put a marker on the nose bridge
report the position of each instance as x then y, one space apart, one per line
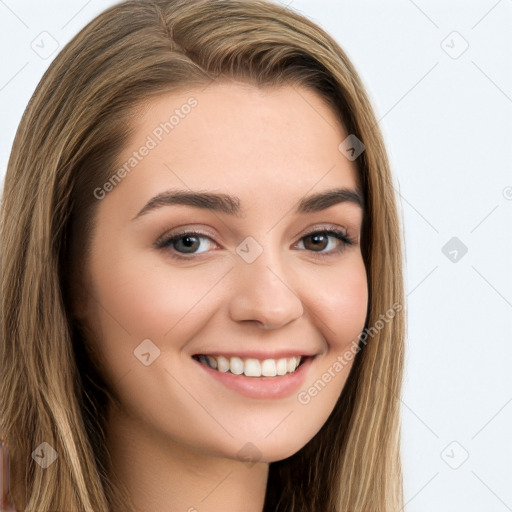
263 291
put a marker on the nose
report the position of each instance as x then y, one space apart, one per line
262 295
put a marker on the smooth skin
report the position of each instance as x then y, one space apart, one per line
176 439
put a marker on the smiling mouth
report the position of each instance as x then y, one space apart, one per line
251 367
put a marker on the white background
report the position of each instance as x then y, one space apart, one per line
447 122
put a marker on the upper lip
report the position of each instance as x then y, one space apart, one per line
257 354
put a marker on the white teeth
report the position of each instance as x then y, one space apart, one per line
252 367
222 364
281 366
268 368
236 366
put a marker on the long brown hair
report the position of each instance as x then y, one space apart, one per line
67 145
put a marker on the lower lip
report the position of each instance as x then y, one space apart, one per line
262 387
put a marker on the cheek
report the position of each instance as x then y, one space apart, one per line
135 301
150 301
340 300
340 309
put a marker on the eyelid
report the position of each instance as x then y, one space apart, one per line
162 241
180 232
326 227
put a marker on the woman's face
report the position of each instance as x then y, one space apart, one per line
259 285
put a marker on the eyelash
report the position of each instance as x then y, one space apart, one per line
167 242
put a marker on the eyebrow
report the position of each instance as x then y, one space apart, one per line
230 205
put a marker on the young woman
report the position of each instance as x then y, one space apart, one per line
202 299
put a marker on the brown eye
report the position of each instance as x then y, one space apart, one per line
318 241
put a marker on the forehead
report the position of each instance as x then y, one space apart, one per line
262 143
